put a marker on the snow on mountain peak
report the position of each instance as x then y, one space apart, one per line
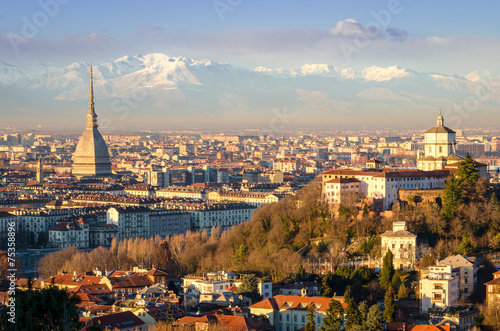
262 69
478 75
312 69
379 74
349 73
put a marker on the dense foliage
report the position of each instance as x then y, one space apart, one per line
47 309
269 243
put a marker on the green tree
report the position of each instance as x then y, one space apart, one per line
494 202
334 320
465 247
240 255
452 198
402 292
387 269
363 274
170 315
311 324
300 273
374 319
42 239
467 176
363 312
326 284
249 287
47 309
321 247
389 306
427 261
353 317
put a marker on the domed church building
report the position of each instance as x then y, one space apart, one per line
91 157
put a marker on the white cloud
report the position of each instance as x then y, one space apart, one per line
352 28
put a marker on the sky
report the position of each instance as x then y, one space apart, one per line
453 38
450 37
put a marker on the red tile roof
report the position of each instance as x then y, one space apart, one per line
130 281
124 320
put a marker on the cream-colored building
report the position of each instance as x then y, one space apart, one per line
439 287
132 222
403 245
288 313
339 190
69 234
439 147
493 289
384 184
286 165
191 192
468 271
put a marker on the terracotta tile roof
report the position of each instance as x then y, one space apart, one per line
239 323
90 279
88 297
123 320
495 282
130 281
157 273
61 279
295 302
91 289
399 326
233 289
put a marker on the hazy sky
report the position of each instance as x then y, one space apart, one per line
451 37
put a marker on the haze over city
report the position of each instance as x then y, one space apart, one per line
242 64
249 165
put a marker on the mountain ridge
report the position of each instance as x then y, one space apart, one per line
184 89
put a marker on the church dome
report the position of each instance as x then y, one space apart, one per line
91 157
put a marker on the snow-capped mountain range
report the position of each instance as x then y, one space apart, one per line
180 88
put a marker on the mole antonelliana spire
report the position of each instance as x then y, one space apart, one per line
91 157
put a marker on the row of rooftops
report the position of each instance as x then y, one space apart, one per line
388 173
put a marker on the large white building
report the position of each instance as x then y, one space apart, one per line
132 222
225 215
215 283
439 287
468 271
439 147
381 186
69 234
287 313
403 245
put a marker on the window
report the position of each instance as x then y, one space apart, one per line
436 296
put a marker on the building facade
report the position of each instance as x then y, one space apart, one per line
403 245
439 287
